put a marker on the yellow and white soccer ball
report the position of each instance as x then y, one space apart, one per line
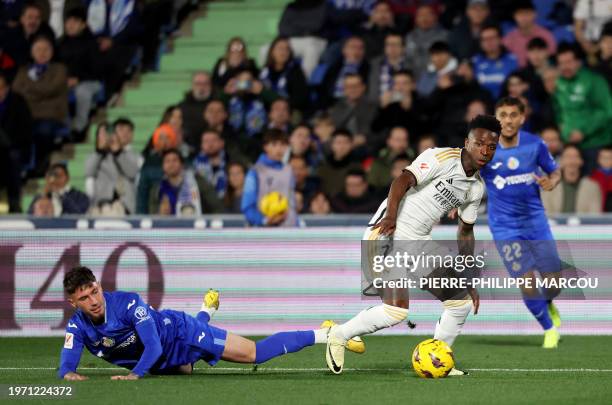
273 203
432 358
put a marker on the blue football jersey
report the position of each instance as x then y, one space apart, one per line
172 338
513 194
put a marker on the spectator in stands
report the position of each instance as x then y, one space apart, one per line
464 39
425 33
15 138
425 142
552 139
575 194
323 129
447 105
376 30
494 63
236 174
42 207
537 63
303 22
78 51
604 58
18 40
117 28
111 174
193 105
164 138
65 199
124 128
215 118
401 106
8 67
386 66
398 143
603 176
516 40
352 62
44 85
302 144
584 106
355 111
338 163
356 197
279 116
247 107
319 204
305 184
234 61
399 164
590 16
212 161
474 109
441 62
270 174
181 192
283 75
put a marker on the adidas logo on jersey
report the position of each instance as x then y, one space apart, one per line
449 181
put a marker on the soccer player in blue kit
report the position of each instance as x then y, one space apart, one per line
521 167
121 329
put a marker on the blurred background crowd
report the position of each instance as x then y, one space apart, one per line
327 114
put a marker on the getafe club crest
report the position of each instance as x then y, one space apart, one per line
108 342
513 163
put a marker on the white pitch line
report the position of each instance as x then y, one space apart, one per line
283 369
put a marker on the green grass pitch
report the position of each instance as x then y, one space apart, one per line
504 370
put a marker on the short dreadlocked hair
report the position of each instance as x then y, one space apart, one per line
76 278
486 122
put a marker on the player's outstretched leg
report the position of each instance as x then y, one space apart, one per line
366 322
451 322
210 305
355 344
538 306
239 349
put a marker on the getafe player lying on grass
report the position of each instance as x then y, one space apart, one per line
120 328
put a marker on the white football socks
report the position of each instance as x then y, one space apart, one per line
320 335
452 319
372 319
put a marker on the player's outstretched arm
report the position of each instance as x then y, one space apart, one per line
398 189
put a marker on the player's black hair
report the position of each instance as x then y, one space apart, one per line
76 278
406 72
487 122
173 151
357 172
342 132
511 101
124 121
536 43
523 5
274 135
401 156
78 13
565 47
58 165
439 47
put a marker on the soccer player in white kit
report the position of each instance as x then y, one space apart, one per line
443 179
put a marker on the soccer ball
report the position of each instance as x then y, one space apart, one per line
273 203
432 358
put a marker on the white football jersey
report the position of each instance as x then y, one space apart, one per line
441 185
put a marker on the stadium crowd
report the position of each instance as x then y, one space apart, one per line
346 96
